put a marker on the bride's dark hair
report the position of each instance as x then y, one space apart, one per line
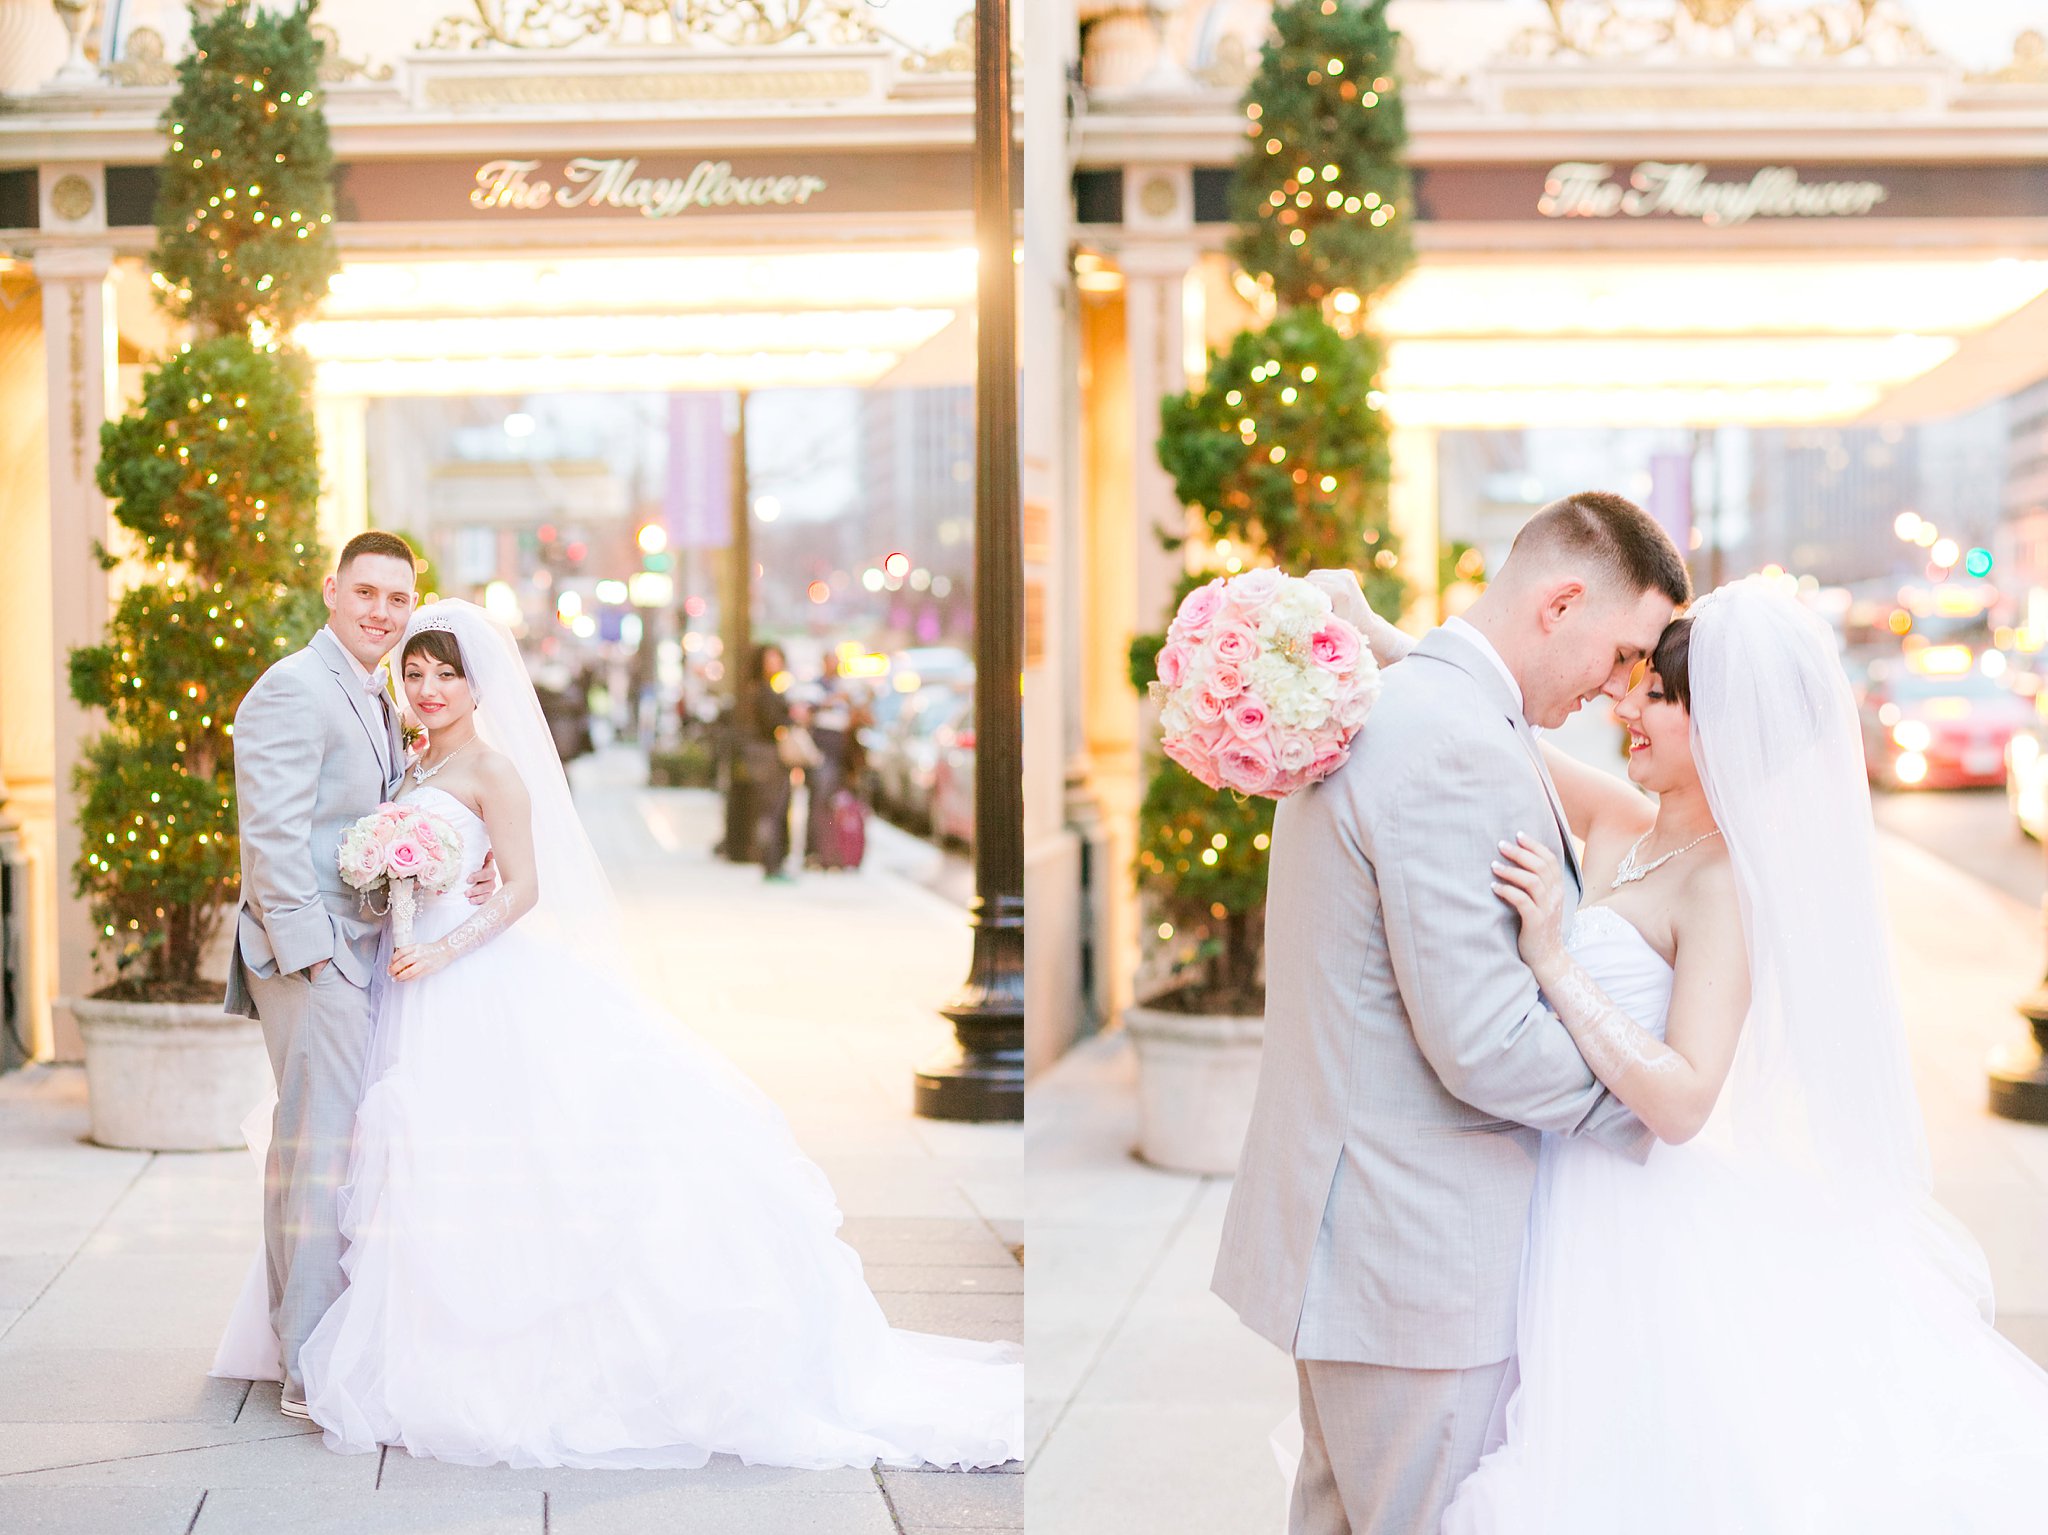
435 644
1672 661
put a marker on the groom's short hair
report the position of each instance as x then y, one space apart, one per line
1613 531
374 542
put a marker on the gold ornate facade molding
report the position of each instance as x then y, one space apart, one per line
1231 65
723 86
559 24
1748 31
1568 98
336 69
143 60
75 355
956 58
72 198
2029 64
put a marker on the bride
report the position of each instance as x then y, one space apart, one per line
1769 1327
576 1236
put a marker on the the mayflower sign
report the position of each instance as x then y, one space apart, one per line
617 184
1681 189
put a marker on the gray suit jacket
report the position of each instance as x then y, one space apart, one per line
1409 1065
312 756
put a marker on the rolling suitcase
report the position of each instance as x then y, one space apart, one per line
844 836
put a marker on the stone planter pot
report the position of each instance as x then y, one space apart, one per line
1197 1074
170 1076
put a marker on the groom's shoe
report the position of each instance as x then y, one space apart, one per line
294 1407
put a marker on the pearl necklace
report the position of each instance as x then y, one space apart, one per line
421 772
1631 871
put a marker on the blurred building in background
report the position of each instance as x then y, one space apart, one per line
1778 269
2023 541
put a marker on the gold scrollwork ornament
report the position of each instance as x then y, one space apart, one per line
560 24
72 198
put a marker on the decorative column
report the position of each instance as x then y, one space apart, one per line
1105 617
1416 517
343 423
28 826
78 329
1155 296
1061 829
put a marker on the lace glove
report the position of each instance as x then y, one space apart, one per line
1614 1045
415 960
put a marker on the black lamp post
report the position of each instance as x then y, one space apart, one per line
738 626
983 1079
2019 1076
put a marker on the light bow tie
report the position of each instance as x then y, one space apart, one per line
377 684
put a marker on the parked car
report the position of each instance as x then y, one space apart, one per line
2026 779
1935 720
952 805
904 760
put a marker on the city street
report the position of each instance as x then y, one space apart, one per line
117 1269
1972 829
1151 1406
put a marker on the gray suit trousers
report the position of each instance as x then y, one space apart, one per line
318 1035
1383 1449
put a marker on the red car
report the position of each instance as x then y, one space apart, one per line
1927 729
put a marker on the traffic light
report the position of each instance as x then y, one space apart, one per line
1978 562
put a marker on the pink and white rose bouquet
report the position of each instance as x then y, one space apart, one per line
1261 685
405 852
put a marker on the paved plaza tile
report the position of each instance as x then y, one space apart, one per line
117 1269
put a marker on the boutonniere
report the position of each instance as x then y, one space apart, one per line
414 738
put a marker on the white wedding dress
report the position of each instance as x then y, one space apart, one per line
579 1237
1710 1345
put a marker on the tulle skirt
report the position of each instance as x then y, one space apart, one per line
578 1237
1706 1348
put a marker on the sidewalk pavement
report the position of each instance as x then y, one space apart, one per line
117 1269
1151 1406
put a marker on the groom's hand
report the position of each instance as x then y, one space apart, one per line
1346 596
485 884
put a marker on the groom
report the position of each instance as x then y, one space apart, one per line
317 746
1375 1230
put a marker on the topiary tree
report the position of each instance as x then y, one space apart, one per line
1282 453
1322 195
1284 449
214 476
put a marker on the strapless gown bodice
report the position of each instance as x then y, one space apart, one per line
1614 952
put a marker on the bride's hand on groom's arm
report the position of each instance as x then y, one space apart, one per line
1527 876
